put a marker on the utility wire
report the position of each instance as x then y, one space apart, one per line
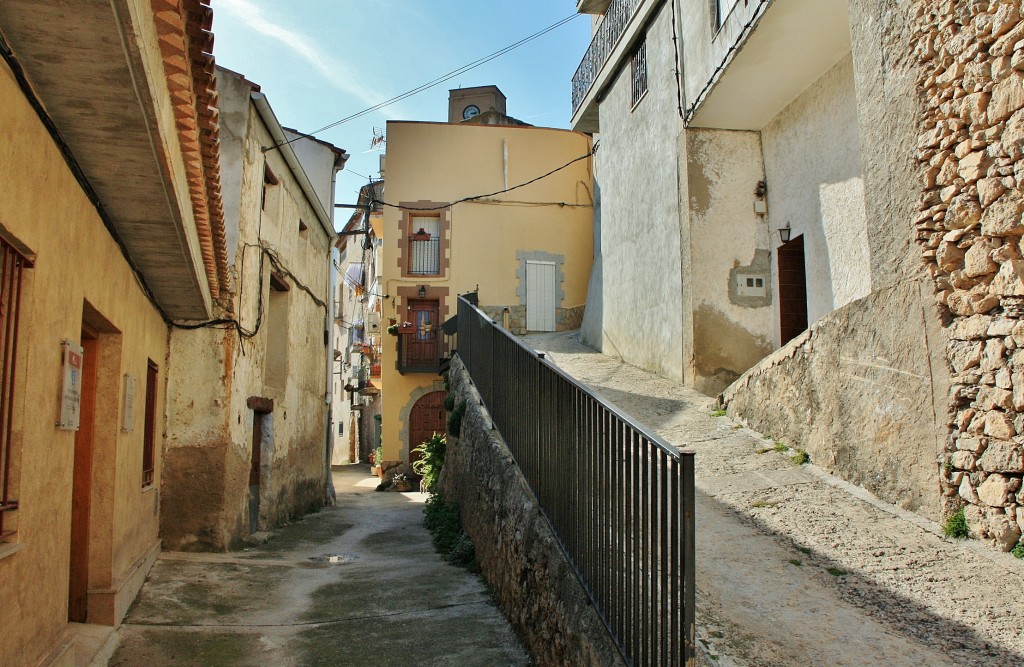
589 153
441 79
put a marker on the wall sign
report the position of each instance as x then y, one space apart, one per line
128 413
71 387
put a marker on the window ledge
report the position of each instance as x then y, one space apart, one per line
10 548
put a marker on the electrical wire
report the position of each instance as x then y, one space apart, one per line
474 198
441 79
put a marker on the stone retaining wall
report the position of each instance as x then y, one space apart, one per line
518 555
971 154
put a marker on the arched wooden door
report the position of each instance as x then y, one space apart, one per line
426 418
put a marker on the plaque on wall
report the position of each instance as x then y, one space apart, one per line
71 387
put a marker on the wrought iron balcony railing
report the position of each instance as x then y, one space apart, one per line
615 20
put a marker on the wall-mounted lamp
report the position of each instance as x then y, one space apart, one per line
784 233
423 292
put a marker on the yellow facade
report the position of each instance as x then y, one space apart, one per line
484 242
80 277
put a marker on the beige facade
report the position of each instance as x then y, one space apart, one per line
436 247
248 409
108 199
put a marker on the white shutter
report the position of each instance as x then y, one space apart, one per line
540 296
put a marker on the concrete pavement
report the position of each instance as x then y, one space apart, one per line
356 584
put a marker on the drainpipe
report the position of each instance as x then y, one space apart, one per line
329 492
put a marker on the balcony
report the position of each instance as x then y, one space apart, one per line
424 255
421 351
616 17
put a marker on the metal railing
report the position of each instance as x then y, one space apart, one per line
421 352
424 256
615 20
619 498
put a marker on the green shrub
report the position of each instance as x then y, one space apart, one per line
454 423
1018 551
800 458
956 526
431 461
449 402
718 413
442 519
377 456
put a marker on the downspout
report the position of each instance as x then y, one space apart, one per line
329 491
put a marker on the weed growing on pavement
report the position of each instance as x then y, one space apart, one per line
836 571
442 519
1018 551
718 413
796 561
805 550
800 458
766 503
777 447
956 526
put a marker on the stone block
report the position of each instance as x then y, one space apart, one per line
973 166
973 444
1004 531
970 328
997 490
992 398
964 355
962 460
1003 216
989 189
1007 97
1002 455
998 425
978 260
966 490
1009 281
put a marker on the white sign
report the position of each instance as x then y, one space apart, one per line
71 388
128 413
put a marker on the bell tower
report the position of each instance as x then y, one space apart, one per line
466 103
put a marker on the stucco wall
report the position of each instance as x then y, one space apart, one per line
816 186
729 333
210 432
76 262
636 170
856 391
486 238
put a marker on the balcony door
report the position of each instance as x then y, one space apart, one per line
422 347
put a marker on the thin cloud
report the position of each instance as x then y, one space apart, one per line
339 74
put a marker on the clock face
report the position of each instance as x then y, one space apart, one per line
470 111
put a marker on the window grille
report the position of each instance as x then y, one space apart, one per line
149 435
12 263
425 246
639 71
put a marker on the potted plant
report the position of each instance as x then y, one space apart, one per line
393 329
406 327
402 482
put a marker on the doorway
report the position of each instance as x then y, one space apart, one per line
792 290
82 482
255 470
426 418
540 296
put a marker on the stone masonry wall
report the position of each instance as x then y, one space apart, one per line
518 555
566 319
971 152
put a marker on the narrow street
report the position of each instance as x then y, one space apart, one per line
357 584
797 567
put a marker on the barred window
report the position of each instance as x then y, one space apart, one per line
12 263
425 246
638 71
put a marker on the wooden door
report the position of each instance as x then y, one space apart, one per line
423 344
255 465
540 296
792 289
426 418
81 486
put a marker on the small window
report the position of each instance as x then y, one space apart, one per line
13 263
638 72
149 434
268 179
425 246
722 9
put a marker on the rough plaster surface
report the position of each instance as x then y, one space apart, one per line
531 579
640 309
387 599
815 185
855 391
725 234
768 532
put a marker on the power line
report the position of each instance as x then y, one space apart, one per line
441 79
589 153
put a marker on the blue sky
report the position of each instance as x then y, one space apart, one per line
321 60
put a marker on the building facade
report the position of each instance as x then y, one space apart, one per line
248 417
780 172
526 252
111 228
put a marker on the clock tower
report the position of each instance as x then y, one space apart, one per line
467 103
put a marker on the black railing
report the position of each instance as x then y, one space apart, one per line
424 256
615 20
619 498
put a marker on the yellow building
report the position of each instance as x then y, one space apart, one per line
527 251
110 227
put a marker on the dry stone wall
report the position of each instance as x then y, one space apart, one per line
971 152
531 579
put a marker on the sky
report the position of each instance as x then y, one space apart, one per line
321 60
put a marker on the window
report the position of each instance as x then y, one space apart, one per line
722 9
638 72
268 179
149 434
425 246
275 368
12 262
